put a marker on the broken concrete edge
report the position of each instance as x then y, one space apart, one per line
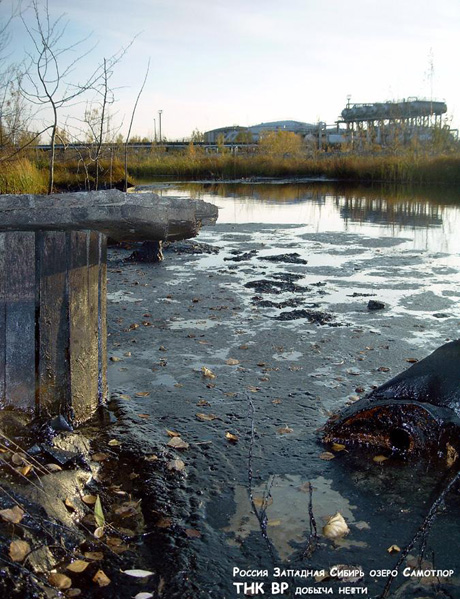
118 215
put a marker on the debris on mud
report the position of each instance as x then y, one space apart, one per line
241 256
267 286
293 258
316 317
375 305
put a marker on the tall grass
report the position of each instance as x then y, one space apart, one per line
22 176
407 169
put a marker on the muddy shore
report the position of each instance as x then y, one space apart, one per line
268 328
225 361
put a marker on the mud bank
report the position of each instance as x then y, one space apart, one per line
227 363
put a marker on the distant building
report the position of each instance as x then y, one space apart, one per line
252 134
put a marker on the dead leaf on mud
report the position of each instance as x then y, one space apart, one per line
73 592
99 532
124 396
231 437
338 447
13 515
100 457
232 362
172 433
101 578
451 455
336 527
253 389
88 499
178 443
274 523
151 458
203 402
243 347
115 359
19 550
383 369
276 402
208 374
138 573
262 502
192 533
142 394
59 581
53 467
394 549
205 417
94 556
68 503
78 566
411 360
285 430
326 455
163 522
144 416
378 459
144 595
25 470
114 443
177 465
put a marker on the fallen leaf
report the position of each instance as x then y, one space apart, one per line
53 467
13 515
253 389
138 573
99 532
145 416
338 447
274 522
19 550
203 402
17 459
164 522
206 417
178 443
276 402
262 502
451 455
68 503
172 433
73 592
336 527
207 373
88 499
231 437
177 465
25 470
99 513
326 455
285 430
411 360
151 458
192 533
243 347
101 579
143 595
379 459
232 362
78 566
383 369
100 457
394 549
124 396
59 581
142 394
115 359
113 443
94 556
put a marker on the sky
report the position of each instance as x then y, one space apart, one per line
215 63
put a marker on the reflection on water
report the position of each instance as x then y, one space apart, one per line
429 217
287 512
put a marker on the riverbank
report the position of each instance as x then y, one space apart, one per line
29 174
224 362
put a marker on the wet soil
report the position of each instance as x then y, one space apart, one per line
194 353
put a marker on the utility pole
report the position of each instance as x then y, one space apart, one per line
159 118
155 129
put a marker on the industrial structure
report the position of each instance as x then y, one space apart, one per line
379 123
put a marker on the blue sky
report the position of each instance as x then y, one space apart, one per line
223 62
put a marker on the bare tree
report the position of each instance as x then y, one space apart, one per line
48 80
131 124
